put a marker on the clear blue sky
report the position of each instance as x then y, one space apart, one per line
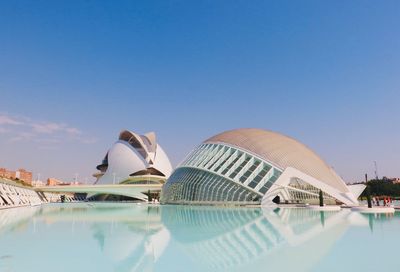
75 73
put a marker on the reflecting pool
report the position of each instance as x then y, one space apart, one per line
132 237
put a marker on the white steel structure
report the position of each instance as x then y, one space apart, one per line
134 190
134 156
16 195
253 166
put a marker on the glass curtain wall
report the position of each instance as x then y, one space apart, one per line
220 173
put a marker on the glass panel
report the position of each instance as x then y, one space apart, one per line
230 165
249 171
234 173
265 188
253 184
222 163
189 184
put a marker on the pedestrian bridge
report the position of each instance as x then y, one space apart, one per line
130 190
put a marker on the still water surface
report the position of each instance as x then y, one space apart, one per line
131 237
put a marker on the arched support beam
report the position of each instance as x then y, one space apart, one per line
130 190
283 181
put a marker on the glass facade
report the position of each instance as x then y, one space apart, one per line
218 173
250 165
302 192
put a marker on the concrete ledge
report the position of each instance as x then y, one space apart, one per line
13 206
324 208
365 209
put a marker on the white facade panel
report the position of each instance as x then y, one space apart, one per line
123 160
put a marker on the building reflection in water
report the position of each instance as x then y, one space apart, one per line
135 237
132 237
14 218
228 239
243 238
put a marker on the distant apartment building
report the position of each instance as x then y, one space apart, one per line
4 173
24 175
55 182
20 174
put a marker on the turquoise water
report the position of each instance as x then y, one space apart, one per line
131 237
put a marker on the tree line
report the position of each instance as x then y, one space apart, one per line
382 188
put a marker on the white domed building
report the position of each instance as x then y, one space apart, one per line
134 159
245 166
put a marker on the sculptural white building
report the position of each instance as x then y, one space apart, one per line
254 166
134 159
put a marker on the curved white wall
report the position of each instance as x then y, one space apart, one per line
123 160
161 162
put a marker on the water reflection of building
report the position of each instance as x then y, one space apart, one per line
141 237
15 218
132 237
222 238
227 239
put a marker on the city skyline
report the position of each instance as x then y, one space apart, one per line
75 74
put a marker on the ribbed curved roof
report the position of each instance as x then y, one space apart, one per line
282 151
147 141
